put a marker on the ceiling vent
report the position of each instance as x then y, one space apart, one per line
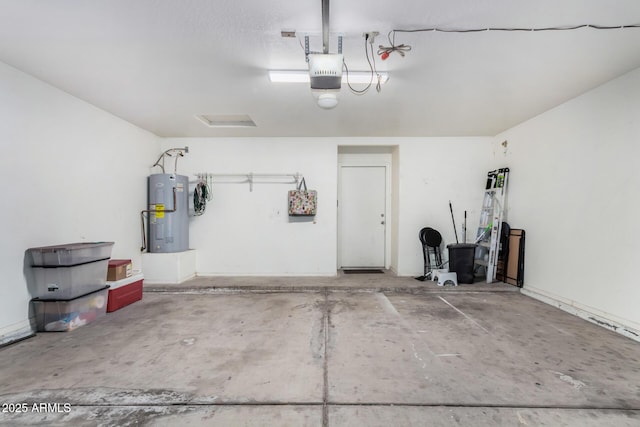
227 121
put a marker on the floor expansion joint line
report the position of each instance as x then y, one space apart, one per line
325 387
485 405
328 404
203 404
214 290
465 315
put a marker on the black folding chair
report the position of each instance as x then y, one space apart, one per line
431 240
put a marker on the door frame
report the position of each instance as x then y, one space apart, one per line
367 160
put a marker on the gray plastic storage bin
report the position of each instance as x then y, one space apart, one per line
67 315
70 254
69 282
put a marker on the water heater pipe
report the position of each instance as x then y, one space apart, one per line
180 152
175 209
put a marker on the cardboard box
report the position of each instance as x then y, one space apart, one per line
124 292
118 269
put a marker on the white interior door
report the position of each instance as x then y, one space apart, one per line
361 216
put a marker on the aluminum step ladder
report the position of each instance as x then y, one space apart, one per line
489 228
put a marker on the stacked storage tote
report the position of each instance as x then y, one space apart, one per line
70 284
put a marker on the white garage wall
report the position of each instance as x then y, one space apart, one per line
575 188
71 173
433 172
249 233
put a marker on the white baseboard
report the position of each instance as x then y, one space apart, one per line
622 326
15 332
267 274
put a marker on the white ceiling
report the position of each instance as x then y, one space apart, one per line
158 63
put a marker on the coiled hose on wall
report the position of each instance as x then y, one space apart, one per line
201 195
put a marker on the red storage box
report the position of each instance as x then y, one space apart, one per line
124 292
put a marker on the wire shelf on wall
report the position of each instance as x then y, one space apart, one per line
249 178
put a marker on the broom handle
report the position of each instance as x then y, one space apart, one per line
464 228
454 221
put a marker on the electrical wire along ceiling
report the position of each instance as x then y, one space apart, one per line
419 68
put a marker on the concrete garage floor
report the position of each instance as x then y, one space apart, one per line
354 350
